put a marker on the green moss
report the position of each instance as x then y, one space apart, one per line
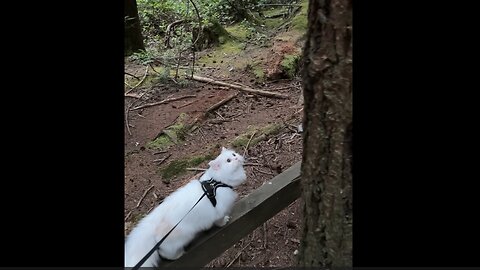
289 64
260 134
172 134
161 142
300 21
273 23
272 129
257 70
231 47
225 50
178 167
259 73
238 31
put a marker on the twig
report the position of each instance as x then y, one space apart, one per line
218 104
199 24
143 196
132 75
126 119
239 87
202 135
252 164
220 115
154 69
260 171
162 102
133 95
128 85
238 254
128 111
161 160
186 104
150 209
160 152
298 111
144 76
169 29
128 215
195 169
248 143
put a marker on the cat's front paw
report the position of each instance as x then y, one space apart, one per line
226 219
221 222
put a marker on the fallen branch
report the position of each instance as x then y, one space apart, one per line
144 76
218 104
242 88
143 196
162 102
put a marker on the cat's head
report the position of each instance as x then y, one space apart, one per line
228 168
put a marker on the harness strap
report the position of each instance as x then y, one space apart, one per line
142 261
210 188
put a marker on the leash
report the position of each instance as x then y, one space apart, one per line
142 261
209 189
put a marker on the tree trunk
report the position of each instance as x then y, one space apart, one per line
327 143
133 29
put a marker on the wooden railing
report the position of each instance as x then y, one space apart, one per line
247 214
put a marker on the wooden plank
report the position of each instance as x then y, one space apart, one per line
247 214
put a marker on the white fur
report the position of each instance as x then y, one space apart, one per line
156 224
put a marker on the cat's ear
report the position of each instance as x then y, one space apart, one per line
214 164
224 149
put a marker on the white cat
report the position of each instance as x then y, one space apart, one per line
226 168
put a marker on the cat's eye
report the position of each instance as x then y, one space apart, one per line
234 155
228 160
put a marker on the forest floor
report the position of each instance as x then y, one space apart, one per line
162 141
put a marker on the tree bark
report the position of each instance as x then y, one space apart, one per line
133 29
327 143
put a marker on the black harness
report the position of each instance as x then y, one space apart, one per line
210 188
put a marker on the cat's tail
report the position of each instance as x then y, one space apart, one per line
140 241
